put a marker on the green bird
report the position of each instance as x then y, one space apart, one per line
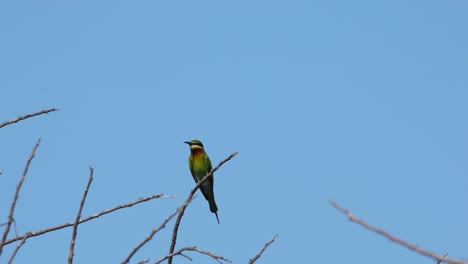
200 166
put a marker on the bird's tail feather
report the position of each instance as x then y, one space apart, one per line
217 217
214 208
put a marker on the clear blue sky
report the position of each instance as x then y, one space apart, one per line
362 102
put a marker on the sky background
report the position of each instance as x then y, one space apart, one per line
362 102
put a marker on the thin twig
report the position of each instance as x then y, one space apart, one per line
144 261
187 201
392 238
185 256
108 211
78 216
440 261
23 241
19 118
148 238
179 252
14 225
262 250
16 228
13 203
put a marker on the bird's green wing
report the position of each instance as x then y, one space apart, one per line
208 163
190 162
208 169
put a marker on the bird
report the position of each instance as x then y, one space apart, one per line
200 166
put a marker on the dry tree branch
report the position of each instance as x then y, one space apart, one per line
440 261
179 252
19 118
13 203
14 224
185 256
108 211
251 261
150 236
187 201
23 241
394 239
78 216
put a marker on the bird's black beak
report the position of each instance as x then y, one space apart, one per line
188 142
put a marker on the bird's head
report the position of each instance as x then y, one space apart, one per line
194 144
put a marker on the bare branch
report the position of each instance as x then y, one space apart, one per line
14 224
144 261
185 256
19 118
187 201
148 238
262 250
17 249
392 238
13 203
108 211
16 228
440 261
78 216
179 252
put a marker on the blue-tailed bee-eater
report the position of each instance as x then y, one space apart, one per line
200 166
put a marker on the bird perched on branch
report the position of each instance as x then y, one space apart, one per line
200 166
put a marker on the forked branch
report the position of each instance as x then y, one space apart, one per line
150 236
179 252
251 261
78 216
392 238
89 218
15 199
